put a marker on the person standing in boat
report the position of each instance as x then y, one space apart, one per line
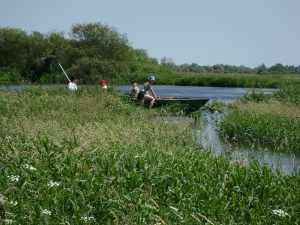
144 95
72 84
135 89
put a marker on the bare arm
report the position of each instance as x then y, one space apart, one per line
152 91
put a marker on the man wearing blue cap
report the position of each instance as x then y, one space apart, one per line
143 94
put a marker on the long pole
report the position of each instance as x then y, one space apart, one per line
64 72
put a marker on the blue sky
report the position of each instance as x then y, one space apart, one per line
233 32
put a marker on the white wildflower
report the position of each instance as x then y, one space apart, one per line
174 208
2 200
280 212
170 190
14 203
47 212
7 221
87 218
14 177
29 167
52 183
142 220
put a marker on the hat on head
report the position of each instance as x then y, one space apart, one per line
102 82
152 78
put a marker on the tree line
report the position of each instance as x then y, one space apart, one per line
92 51
227 69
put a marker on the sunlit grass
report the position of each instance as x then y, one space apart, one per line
263 119
88 157
272 107
220 80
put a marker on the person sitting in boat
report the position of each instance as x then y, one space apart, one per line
135 89
144 95
72 84
103 84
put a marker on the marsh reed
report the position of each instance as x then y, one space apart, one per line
273 120
89 157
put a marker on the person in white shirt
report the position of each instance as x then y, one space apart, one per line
135 89
72 84
103 84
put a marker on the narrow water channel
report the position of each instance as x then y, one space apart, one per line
208 135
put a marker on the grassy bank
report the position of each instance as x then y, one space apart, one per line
88 157
262 119
218 80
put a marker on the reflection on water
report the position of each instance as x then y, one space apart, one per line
209 138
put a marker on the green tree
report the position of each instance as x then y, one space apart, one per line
245 70
36 56
12 47
100 40
154 61
168 62
185 67
262 69
143 62
101 50
196 68
278 69
218 68
228 69
209 69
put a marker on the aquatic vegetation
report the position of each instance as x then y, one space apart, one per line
235 80
260 118
98 160
196 116
257 96
216 106
219 80
281 131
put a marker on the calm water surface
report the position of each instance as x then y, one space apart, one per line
212 93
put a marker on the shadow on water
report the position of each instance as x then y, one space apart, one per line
244 152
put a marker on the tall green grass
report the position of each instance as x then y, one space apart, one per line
265 119
89 157
217 80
